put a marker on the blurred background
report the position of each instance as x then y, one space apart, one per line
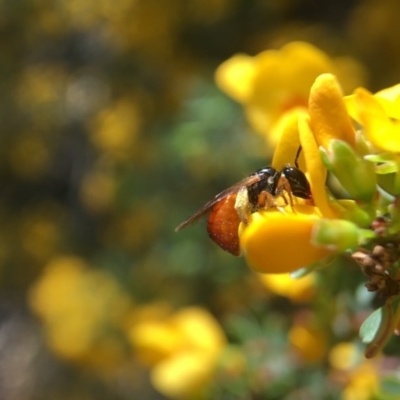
112 132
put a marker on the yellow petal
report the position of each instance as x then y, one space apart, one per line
379 129
297 290
328 114
290 70
296 130
352 106
281 82
390 101
235 77
278 242
288 129
283 78
315 170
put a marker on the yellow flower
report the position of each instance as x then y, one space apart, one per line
282 240
297 290
183 349
276 81
379 115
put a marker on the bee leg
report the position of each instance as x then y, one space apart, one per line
282 188
266 200
243 206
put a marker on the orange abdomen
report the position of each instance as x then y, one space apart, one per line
223 224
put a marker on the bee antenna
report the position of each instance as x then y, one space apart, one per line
296 164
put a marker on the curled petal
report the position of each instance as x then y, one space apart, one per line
316 171
328 114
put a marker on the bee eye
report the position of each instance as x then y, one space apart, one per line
298 182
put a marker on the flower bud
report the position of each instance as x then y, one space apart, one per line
356 175
351 211
336 234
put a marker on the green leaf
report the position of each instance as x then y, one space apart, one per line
370 326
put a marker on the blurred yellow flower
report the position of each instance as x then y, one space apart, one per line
344 356
309 341
297 290
78 307
183 349
115 129
276 81
363 382
361 376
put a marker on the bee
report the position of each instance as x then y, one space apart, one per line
256 192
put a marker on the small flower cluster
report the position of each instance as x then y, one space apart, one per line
182 347
91 323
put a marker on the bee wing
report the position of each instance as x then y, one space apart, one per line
209 205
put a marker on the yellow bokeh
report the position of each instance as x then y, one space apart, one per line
344 356
183 347
30 156
77 306
115 129
309 341
98 190
363 382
